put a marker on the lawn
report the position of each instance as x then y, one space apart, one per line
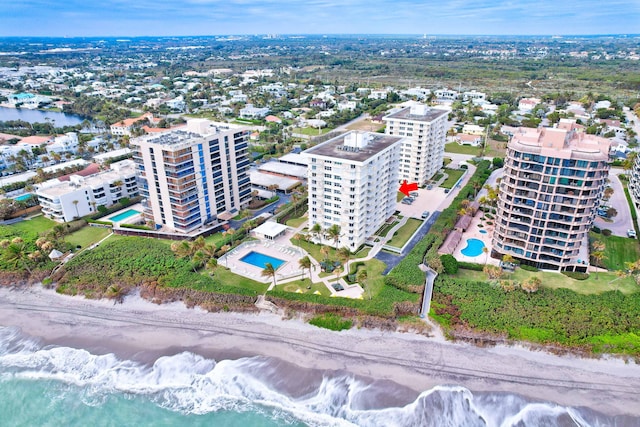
231 279
300 286
400 196
39 224
454 147
214 239
87 236
314 250
595 284
405 232
618 250
362 252
311 131
296 222
453 175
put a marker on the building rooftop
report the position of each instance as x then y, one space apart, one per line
284 169
553 142
266 179
354 146
96 180
420 113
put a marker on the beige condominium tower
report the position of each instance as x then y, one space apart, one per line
553 181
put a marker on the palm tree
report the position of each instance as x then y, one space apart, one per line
334 234
269 271
305 264
344 255
16 253
337 271
485 251
361 278
181 249
212 265
316 230
325 253
598 253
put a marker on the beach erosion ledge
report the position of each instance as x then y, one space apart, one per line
143 331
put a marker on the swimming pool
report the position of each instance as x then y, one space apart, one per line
483 231
22 197
260 260
473 248
124 215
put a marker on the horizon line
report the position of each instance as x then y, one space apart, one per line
632 35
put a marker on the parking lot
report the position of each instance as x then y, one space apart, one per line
427 200
622 221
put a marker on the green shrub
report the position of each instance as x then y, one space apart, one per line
135 226
526 267
547 316
606 232
331 321
449 263
470 266
596 229
576 275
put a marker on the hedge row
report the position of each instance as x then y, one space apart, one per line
408 271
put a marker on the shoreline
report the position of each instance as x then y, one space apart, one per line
142 331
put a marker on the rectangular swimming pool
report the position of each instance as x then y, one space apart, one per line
124 215
260 260
23 197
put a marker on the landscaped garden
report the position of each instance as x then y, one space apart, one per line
454 147
453 176
404 233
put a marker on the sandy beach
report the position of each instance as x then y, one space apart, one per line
143 331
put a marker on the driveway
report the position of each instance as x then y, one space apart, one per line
621 222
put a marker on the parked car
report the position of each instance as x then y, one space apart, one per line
407 200
425 215
631 233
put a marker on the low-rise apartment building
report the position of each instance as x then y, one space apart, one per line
65 201
353 183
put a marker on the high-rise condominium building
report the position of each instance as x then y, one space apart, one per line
634 182
552 183
424 130
191 176
353 183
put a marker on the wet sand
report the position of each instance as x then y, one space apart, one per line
143 331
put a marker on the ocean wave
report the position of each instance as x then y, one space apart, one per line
191 384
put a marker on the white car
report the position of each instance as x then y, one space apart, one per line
631 233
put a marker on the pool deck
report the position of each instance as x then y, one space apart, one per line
290 271
137 207
473 232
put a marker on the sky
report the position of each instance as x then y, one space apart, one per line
102 18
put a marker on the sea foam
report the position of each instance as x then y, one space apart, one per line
191 384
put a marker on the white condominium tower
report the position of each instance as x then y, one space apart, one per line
353 183
551 187
424 130
193 175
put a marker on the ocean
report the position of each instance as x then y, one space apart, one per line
44 385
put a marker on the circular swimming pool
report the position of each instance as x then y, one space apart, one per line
473 248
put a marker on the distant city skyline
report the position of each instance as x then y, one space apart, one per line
218 17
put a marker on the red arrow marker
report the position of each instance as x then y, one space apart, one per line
405 188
